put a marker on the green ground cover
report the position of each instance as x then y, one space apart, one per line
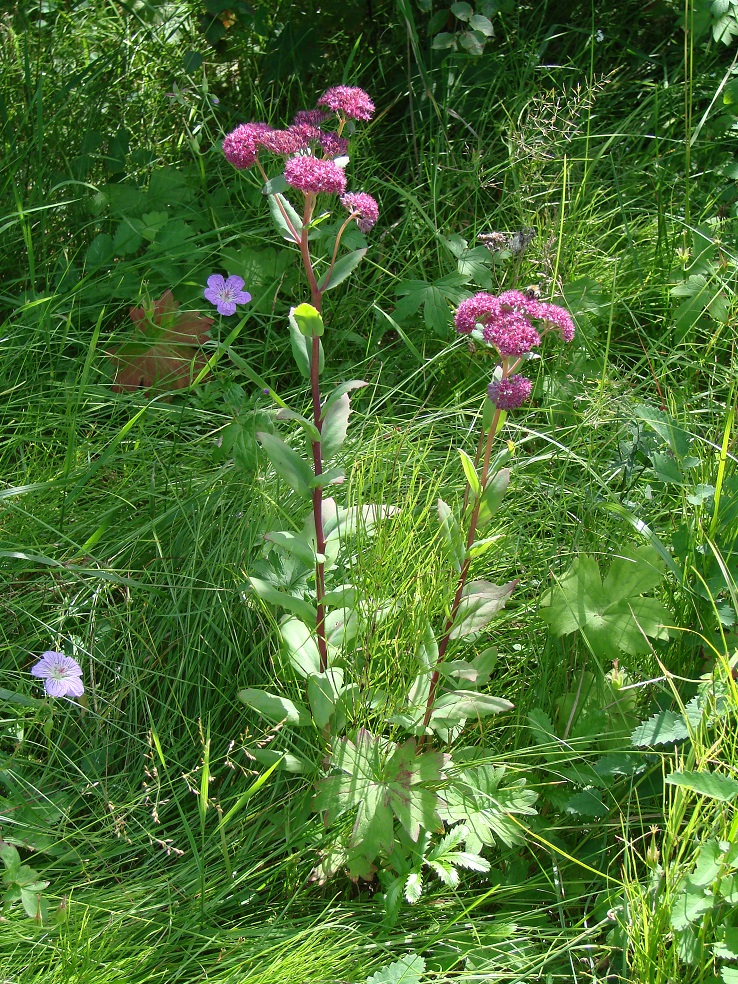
144 835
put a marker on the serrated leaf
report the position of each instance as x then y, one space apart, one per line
710 784
288 464
279 221
413 887
726 948
689 906
342 269
275 708
480 602
660 729
407 970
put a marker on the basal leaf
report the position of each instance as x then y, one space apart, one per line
462 704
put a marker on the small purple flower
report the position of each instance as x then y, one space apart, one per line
556 317
61 675
349 101
508 394
312 175
363 206
226 294
475 310
333 145
511 333
288 141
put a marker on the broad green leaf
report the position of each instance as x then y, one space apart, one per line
275 708
342 596
290 603
710 784
311 431
302 649
453 537
295 544
342 269
331 476
689 906
335 426
482 546
493 494
463 11
471 472
459 705
275 185
611 615
481 800
288 464
338 392
726 948
480 602
282 225
482 24
283 760
322 697
308 320
341 626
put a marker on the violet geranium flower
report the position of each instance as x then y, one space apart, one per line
226 294
61 675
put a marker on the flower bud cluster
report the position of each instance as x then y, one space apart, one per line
505 323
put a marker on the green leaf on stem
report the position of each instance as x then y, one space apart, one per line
308 320
333 476
335 426
471 473
288 464
302 350
275 185
322 691
454 538
338 392
342 269
275 708
482 546
493 495
311 431
454 708
480 602
291 603
341 626
283 224
302 649
294 544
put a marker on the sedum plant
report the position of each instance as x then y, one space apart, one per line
405 800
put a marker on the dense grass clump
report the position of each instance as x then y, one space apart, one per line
150 831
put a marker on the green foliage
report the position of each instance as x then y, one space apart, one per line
611 614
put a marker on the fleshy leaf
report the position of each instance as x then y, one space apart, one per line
308 320
493 495
301 647
288 464
302 350
480 602
453 537
279 220
342 269
335 426
455 707
275 708
338 392
291 603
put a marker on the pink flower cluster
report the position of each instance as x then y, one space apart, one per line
505 322
363 206
302 143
